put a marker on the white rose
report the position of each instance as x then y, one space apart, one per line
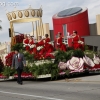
75 64
96 60
62 65
88 61
32 46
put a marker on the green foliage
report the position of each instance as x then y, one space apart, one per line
42 69
63 56
29 57
26 69
86 47
70 48
67 72
54 71
7 71
78 53
18 46
89 53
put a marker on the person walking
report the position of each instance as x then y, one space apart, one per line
18 62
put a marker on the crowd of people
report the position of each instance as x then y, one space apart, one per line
44 47
41 47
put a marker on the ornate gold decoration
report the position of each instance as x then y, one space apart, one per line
33 13
38 13
9 17
20 14
14 15
26 13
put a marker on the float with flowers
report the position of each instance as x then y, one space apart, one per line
46 58
54 63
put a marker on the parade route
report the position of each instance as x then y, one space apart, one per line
84 88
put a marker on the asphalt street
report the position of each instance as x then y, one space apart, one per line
82 88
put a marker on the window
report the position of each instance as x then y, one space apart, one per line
65 33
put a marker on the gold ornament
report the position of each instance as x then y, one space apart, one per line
9 17
14 15
33 13
26 13
20 14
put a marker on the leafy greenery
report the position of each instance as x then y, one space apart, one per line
7 71
29 57
78 53
42 69
89 53
65 56
26 69
47 68
62 56
70 48
54 71
86 47
18 46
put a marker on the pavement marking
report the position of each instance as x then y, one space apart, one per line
36 96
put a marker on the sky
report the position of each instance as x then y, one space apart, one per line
50 7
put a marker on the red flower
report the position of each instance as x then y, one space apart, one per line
9 58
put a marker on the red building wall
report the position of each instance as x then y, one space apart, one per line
78 22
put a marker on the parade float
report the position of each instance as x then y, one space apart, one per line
53 64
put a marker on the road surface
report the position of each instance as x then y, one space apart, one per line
82 88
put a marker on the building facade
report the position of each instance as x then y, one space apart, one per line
69 20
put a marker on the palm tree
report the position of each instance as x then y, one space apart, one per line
0 26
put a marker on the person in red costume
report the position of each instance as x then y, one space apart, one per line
60 44
75 41
47 44
32 45
40 47
26 42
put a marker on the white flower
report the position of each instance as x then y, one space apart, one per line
88 61
24 45
32 46
81 42
62 65
51 43
75 64
96 60
39 48
65 43
43 37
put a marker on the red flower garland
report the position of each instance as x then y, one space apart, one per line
9 59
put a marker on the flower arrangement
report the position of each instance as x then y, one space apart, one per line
39 48
19 38
62 66
1 65
75 64
32 46
81 42
7 71
51 43
96 59
65 63
24 75
88 61
9 59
